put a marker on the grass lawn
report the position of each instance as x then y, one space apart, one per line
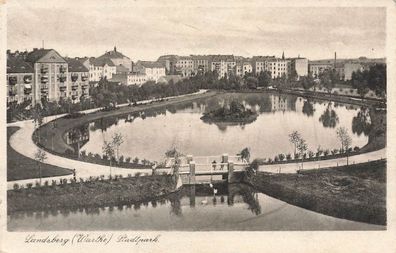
21 167
355 192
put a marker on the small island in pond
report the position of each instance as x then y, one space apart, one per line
234 113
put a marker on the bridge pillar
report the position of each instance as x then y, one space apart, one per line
191 176
230 172
224 159
189 158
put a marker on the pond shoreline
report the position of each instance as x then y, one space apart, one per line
59 136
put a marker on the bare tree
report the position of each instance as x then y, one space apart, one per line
294 138
302 147
108 151
40 156
117 141
345 139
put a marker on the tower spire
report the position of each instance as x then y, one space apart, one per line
283 55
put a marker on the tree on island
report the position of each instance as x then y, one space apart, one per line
245 154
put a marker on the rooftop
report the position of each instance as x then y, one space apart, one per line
150 64
18 65
114 54
74 65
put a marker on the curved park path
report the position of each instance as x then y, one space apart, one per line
22 142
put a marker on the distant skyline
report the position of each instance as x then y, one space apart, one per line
144 30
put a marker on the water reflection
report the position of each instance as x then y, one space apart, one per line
77 137
308 108
361 123
329 117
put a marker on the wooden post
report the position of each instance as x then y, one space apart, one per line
191 177
230 172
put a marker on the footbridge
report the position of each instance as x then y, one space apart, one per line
190 167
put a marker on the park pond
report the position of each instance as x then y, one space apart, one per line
148 134
193 208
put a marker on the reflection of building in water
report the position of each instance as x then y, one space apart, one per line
78 137
282 103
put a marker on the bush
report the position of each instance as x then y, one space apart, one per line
105 157
334 151
46 183
29 185
37 184
137 174
276 159
121 160
356 149
90 155
83 153
53 183
98 157
269 160
128 160
281 157
311 154
16 186
326 152
296 155
288 156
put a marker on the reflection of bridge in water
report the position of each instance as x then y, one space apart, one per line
188 168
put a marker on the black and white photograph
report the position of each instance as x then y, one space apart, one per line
195 117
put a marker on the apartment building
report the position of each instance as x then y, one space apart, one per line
278 67
136 79
101 68
117 58
78 85
223 65
152 70
201 63
185 66
50 74
20 76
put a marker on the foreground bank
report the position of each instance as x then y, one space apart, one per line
354 192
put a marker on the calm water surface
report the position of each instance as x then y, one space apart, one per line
149 135
235 207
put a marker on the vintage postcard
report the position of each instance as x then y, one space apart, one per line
197 126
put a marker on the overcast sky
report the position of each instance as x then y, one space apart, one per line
144 30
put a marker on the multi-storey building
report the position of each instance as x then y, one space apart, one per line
243 67
259 63
278 67
20 76
152 70
200 63
50 74
101 68
136 79
224 65
185 66
299 65
317 67
78 85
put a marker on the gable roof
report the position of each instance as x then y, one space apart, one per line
18 65
37 54
75 65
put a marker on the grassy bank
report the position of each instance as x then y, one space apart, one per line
355 192
94 193
21 167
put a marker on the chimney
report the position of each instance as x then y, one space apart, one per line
115 49
335 59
